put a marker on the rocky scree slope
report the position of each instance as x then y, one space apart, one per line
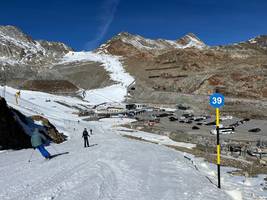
19 48
36 65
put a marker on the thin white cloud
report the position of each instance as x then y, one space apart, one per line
106 17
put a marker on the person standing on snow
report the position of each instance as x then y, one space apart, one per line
91 131
85 137
17 96
39 141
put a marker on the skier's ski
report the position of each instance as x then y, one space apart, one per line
58 154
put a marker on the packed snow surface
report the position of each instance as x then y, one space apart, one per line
111 94
112 168
150 137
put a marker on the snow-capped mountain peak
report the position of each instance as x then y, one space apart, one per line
17 47
153 46
260 41
191 40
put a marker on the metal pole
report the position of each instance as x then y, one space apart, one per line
54 148
218 146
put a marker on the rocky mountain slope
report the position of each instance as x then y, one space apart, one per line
189 66
126 44
19 48
185 66
35 64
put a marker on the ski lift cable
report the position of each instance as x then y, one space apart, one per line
112 100
30 106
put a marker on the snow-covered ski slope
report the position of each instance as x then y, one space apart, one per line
113 65
112 168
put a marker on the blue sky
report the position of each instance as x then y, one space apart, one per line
84 24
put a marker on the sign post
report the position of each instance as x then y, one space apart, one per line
217 101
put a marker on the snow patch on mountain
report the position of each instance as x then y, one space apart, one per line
31 46
111 94
252 41
21 44
143 43
193 42
9 61
111 63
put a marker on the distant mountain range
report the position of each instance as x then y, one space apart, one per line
17 47
136 44
140 44
186 65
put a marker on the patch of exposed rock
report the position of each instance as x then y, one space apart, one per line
16 128
12 135
50 129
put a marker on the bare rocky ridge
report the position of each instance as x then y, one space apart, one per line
126 44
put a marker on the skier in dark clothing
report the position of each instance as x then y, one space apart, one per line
91 131
85 137
39 141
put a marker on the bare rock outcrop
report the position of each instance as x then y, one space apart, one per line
16 128
12 134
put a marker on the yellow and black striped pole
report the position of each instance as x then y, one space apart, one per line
217 101
218 146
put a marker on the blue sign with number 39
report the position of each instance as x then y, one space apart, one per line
217 100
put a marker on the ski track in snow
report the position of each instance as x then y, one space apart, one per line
115 168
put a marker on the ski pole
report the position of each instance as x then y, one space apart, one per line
54 148
31 155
